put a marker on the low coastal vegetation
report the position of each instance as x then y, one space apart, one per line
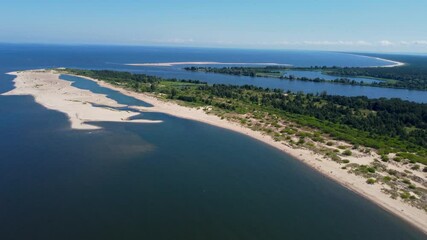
412 75
393 132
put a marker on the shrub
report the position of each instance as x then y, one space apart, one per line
371 169
330 143
405 195
370 181
415 167
345 161
387 179
347 153
335 158
384 158
317 139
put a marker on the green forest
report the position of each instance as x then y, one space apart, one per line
389 125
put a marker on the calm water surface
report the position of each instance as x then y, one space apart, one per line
319 74
294 86
178 179
120 98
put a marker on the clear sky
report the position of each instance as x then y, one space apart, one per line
357 25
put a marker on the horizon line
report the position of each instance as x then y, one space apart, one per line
212 47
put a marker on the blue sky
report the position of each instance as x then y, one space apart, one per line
362 25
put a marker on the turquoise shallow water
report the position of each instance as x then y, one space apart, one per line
179 179
95 88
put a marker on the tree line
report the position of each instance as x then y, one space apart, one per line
410 76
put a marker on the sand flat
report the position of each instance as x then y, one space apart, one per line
56 94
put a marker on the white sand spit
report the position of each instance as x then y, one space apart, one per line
56 94
170 64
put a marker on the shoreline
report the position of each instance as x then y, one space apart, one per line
171 64
415 217
394 63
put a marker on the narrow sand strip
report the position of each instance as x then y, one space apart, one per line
170 64
393 63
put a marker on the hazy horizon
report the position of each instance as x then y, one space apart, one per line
329 25
214 47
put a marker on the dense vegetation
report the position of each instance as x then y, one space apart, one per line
408 77
274 72
413 75
389 125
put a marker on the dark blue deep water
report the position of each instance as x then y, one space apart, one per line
178 179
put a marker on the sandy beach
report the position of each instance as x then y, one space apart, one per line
56 94
393 63
170 64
